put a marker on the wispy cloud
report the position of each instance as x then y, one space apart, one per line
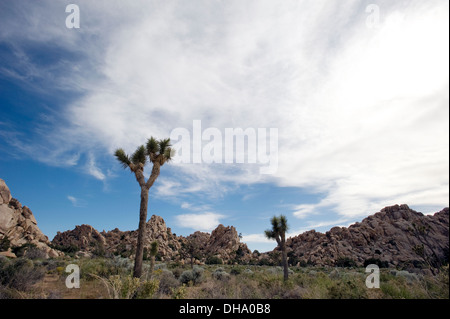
203 221
256 238
93 170
76 202
362 116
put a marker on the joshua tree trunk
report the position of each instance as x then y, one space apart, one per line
284 260
278 232
141 233
282 244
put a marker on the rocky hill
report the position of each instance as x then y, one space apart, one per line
397 235
19 227
222 243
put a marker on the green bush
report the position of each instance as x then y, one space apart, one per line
105 267
20 251
147 289
235 271
35 253
345 262
194 276
128 287
221 274
214 260
167 282
20 273
4 243
347 289
376 261
265 262
68 250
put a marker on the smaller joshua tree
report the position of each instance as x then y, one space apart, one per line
278 232
153 253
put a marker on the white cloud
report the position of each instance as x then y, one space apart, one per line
256 238
362 113
93 170
203 222
76 202
72 199
185 205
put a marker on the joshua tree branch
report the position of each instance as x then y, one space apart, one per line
154 175
139 173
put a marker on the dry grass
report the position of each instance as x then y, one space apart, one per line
104 278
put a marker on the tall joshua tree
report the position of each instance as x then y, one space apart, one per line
158 153
278 232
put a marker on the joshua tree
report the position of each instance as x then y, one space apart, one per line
278 232
190 249
153 252
158 152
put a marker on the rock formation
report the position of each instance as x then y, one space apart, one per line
223 242
397 235
18 225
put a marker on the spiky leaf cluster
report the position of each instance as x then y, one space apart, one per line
156 150
279 227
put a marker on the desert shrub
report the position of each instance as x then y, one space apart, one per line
147 289
35 253
221 274
5 243
51 264
20 251
104 267
345 262
177 272
293 259
278 270
409 277
376 261
445 253
20 273
235 271
265 262
443 279
303 263
248 271
274 270
128 287
194 276
213 260
68 250
99 250
335 274
179 292
160 266
347 289
167 282
396 290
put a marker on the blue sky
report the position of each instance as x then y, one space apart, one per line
357 90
